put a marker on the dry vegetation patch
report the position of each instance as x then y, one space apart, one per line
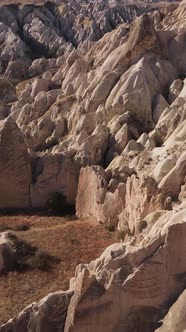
71 241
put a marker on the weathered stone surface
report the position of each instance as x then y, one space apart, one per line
92 188
7 253
39 85
142 197
140 280
47 315
160 105
7 91
54 174
175 320
14 167
175 90
115 107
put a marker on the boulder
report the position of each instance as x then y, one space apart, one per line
38 85
121 138
133 146
8 253
164 167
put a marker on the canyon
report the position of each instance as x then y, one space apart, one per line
93 113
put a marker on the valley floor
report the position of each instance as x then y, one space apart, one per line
72 241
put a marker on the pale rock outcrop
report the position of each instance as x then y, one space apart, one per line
172 181
101 194
43 101
58 78
142 197
8 253
160 105
175 320
121 138
54 174
163 168
92 188
38 66
93 148
14 167
7 91
39 85
182 194
47 75
140 280
47 315
12 46
143 139
175 90
31 109
133 146
183 91
132 92
17 70
177 53
114 202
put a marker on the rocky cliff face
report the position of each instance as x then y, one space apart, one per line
32 31
105 126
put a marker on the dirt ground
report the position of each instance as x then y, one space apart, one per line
72 241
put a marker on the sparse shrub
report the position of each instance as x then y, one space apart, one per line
35 259
56 202
40 261
21 228
24 251
110 228
28 257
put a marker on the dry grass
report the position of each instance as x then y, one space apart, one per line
73 242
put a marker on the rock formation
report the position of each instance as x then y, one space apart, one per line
14 166
103 123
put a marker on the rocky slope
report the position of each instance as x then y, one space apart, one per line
105 127
50 29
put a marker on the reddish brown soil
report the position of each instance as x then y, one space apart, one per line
73 241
